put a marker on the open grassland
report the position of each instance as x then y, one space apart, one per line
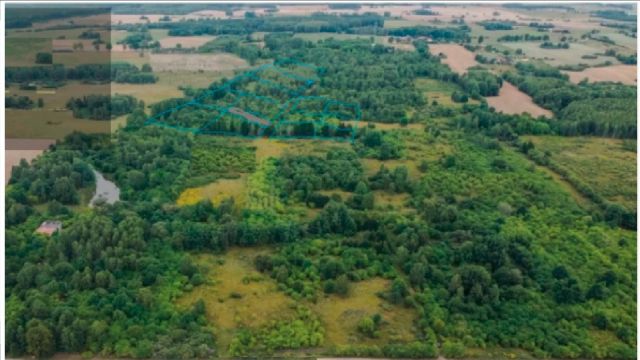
511 100
98 20
22 52
626 74
236 295
45 124
168 85
216 192
602 163
82 57
557 57
341 315
57 98
52 121
196 62
457 57
266 148
185 41
439 91
136 58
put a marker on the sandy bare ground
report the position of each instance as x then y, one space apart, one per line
195 62
513 101
185 41
458 58
250 117
17 149
626 74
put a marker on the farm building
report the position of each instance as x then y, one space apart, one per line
49 227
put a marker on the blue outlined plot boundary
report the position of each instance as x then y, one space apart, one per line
324 120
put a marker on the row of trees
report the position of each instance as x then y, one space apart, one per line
20 102
102 107
118 72
525 37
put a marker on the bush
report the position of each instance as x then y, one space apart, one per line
44 58
453 349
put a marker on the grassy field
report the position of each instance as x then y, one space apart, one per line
571 56
22 52
440 91
602 163
133 57
47 123
168 85
196 62
217 191
236 295
340 316
185 41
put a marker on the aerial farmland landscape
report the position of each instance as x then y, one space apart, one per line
320 181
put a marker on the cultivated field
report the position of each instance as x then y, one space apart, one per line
605 164
513 101
457 57
22 52
52 121
185 41
168 85
196 62
18 149
626 74
571 56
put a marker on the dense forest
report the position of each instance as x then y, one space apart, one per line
102 107
484 249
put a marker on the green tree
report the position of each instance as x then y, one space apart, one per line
39 339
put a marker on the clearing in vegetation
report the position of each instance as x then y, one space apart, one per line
185 42
513 101
22 51
236 295
196 62
216 192
607 165
626 74
52 121
457 57
439 91
341 315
